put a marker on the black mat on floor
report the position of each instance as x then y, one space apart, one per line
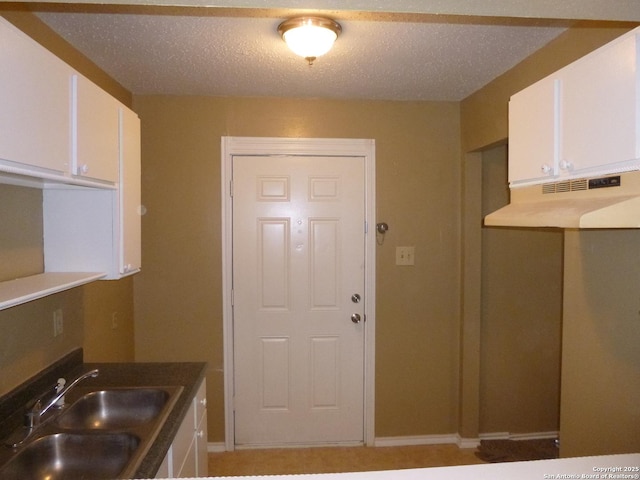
495 451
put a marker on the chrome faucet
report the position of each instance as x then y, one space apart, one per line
36 411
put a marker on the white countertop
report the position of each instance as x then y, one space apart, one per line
599 467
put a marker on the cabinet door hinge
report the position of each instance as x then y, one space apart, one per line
231 188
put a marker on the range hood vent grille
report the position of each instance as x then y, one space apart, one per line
566 186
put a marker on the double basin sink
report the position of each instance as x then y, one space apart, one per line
101 434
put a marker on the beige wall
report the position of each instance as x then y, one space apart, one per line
108 319
521 317
178 294
600 412
21 247
27 344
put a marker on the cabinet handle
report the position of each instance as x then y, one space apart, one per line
566 165
546 168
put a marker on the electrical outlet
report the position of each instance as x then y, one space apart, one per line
405 255
58 322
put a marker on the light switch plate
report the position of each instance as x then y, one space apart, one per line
405 255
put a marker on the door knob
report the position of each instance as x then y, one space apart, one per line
355 318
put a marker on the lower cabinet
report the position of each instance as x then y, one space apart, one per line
187 456
202 458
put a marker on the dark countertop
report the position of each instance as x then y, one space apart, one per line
189 375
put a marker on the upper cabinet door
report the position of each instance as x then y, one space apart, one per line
533 132
129 195
34 103
96 131
600 109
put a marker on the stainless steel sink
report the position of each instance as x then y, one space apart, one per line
102 433
114 409
73 456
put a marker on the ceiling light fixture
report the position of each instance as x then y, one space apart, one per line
309 37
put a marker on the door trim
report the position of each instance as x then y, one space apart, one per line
231 146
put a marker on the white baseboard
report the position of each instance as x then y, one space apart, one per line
468 442
414 440
454 438
519 436
495 436
458 440
216 447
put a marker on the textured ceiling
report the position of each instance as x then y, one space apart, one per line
382 57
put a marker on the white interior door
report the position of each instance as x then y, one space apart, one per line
298 278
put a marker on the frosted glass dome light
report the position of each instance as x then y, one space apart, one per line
309 37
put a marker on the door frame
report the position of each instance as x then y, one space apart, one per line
270 146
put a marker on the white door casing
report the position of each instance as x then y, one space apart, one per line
271 404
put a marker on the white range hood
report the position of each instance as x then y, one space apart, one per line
611 201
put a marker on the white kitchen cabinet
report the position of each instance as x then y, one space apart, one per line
63 134
129 208
202 456
95 131
600 109
35 122
583 120
183 447
56 126
98 230
187 456
533 132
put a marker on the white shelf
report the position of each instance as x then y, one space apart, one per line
22 176
22 290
